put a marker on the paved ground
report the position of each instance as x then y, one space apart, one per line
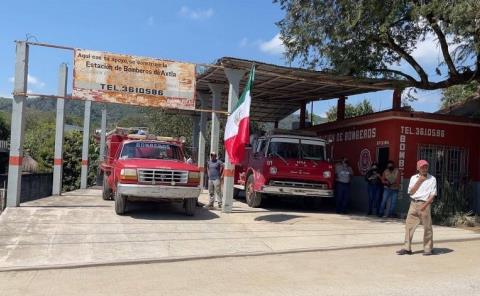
80 229
371 271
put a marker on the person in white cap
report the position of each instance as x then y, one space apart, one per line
422 190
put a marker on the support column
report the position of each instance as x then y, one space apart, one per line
216 90
195 132
303 109
59 130
86 142
341 108
234 77
17 126
103 135
201 140
397 100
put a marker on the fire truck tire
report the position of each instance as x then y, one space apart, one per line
190 204
236 193
254 199
120 203
107 191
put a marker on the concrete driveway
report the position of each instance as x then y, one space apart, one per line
80 229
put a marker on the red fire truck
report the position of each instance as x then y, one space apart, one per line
139 166
292 163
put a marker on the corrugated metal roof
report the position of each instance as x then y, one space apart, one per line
279 91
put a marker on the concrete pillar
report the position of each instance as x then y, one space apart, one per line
202 139
101 154
341 108
195 133
234 77
103 133
303 109
59 129
397 99
86 142
17 126
216 90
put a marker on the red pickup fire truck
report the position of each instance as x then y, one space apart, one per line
285 163
139 167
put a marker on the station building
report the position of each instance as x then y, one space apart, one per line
451 145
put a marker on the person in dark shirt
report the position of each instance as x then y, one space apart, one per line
374 183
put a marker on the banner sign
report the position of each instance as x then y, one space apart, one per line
114 78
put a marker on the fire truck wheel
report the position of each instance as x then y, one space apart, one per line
190 204
236 193
254 199
120 203
107 191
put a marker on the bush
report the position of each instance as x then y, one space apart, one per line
452 207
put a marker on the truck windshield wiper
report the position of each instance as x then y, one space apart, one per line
306 155
279 156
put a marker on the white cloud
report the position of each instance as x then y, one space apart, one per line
32 81
274 46
196 14
150 21
428 52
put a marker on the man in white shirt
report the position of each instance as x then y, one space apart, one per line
422 190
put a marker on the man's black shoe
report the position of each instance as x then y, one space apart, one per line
404 252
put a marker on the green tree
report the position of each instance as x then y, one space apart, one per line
459 93
362 108
72 163
366 38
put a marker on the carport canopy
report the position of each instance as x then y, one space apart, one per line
278 91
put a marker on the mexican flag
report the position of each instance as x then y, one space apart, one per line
237 130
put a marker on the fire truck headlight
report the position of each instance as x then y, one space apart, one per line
194 177
273 170
128 174
327 174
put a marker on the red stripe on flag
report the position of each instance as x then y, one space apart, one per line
84 162
15 160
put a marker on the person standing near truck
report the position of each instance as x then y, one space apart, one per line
391 183
215 172
343 175
374 183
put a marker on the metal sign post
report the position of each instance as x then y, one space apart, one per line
86 142
59 131
17 126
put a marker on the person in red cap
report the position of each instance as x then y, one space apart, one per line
422 190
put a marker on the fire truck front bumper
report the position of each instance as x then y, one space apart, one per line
140 191
281 190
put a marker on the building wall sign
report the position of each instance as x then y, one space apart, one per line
114 78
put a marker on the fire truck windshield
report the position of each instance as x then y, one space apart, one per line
289 148
151 150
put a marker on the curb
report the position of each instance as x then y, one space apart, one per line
209 257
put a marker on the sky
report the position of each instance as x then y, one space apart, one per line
189 31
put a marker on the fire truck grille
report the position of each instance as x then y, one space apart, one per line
298 184
162 176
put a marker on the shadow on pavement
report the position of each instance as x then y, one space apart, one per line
437 251
165 211
277 217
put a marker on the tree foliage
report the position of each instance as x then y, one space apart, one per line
366 38
362 108
459 93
